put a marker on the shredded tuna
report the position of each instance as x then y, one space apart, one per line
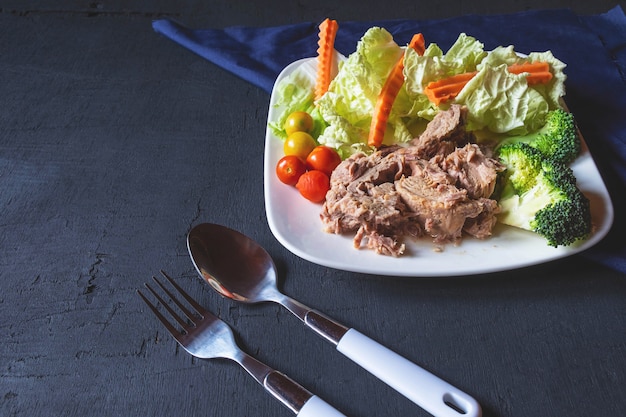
437 186
443 134
472 170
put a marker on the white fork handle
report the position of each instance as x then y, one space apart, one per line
316 407
420 386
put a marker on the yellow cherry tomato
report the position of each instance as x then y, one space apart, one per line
299 144
298 121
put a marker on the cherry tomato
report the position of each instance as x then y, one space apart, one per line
299 144
298 121
313 185
289 169
323 158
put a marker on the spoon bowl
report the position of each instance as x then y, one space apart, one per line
233 264
239 268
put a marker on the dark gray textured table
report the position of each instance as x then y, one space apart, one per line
114 141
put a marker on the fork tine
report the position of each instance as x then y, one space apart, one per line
190 315
187 297
173 330
169 309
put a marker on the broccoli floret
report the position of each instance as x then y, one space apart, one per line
557 139
541 195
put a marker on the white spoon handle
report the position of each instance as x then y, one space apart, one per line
420 386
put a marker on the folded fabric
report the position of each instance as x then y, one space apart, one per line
594 48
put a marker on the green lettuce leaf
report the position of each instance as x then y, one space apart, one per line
502 102
348 105
500 55
498 101
555 89
463 56
296 93
467 51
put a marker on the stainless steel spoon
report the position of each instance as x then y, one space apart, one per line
239 268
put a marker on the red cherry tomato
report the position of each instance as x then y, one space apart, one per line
323 158
289 169
313 185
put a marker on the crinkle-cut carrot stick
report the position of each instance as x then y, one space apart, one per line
538 78
448 88
538 72
388 94
325 51
418 43
453 79
531 67
385 100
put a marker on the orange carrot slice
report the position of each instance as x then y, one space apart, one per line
539 78
388 94
325 51
418 43
447 88
538 72
384 103
529 67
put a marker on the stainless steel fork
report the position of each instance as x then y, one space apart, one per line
206 336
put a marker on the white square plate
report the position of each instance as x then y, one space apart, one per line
295 222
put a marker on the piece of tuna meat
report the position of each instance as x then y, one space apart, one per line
471 170
440 206
443 134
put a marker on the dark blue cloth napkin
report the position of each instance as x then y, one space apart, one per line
594 48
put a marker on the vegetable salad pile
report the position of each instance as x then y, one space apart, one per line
385 94
499 100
